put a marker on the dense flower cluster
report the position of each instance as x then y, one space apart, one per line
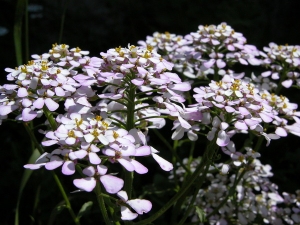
256 198
208 51
99 111
283 62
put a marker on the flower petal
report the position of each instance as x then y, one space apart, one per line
86 184
111 183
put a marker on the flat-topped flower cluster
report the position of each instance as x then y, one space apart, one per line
99 111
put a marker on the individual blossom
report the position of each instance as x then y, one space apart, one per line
112 184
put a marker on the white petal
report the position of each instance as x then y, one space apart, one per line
127 214
111 183
86 184
140 205
164 164
68 168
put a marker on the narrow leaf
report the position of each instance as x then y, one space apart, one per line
201 214
25 178
85 209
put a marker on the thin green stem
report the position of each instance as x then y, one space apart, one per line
65 197
62 22
32 137
50 118
102 204
130 125
26 33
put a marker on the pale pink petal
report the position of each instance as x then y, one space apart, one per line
94 158
281 132
209 63
111 183
59 91
70 140
123 195
103 139
89 171
52 105
287 83
140 205
127 214
89 137
137 81
128 166
266 118
223 138
54 163
142 151
39 103
22 92
86 184
68 168
49 143
34 166
184 123
28 114
138 167
164 164
241 125
101 169
80 154
220 63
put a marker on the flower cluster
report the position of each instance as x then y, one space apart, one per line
100 110
209 50
232 106
283 62
256 198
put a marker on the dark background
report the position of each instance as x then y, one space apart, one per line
99 25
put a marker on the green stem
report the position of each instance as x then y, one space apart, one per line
130 125
26 32
62 22
50 118
32 137
102 204
68 204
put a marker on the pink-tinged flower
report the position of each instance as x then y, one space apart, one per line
67 163
111 183
88 150
121 154
138 205
47 100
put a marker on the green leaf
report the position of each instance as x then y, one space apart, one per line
57 210
20 11
201 214
85 208
25 178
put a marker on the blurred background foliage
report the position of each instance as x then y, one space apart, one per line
96 26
